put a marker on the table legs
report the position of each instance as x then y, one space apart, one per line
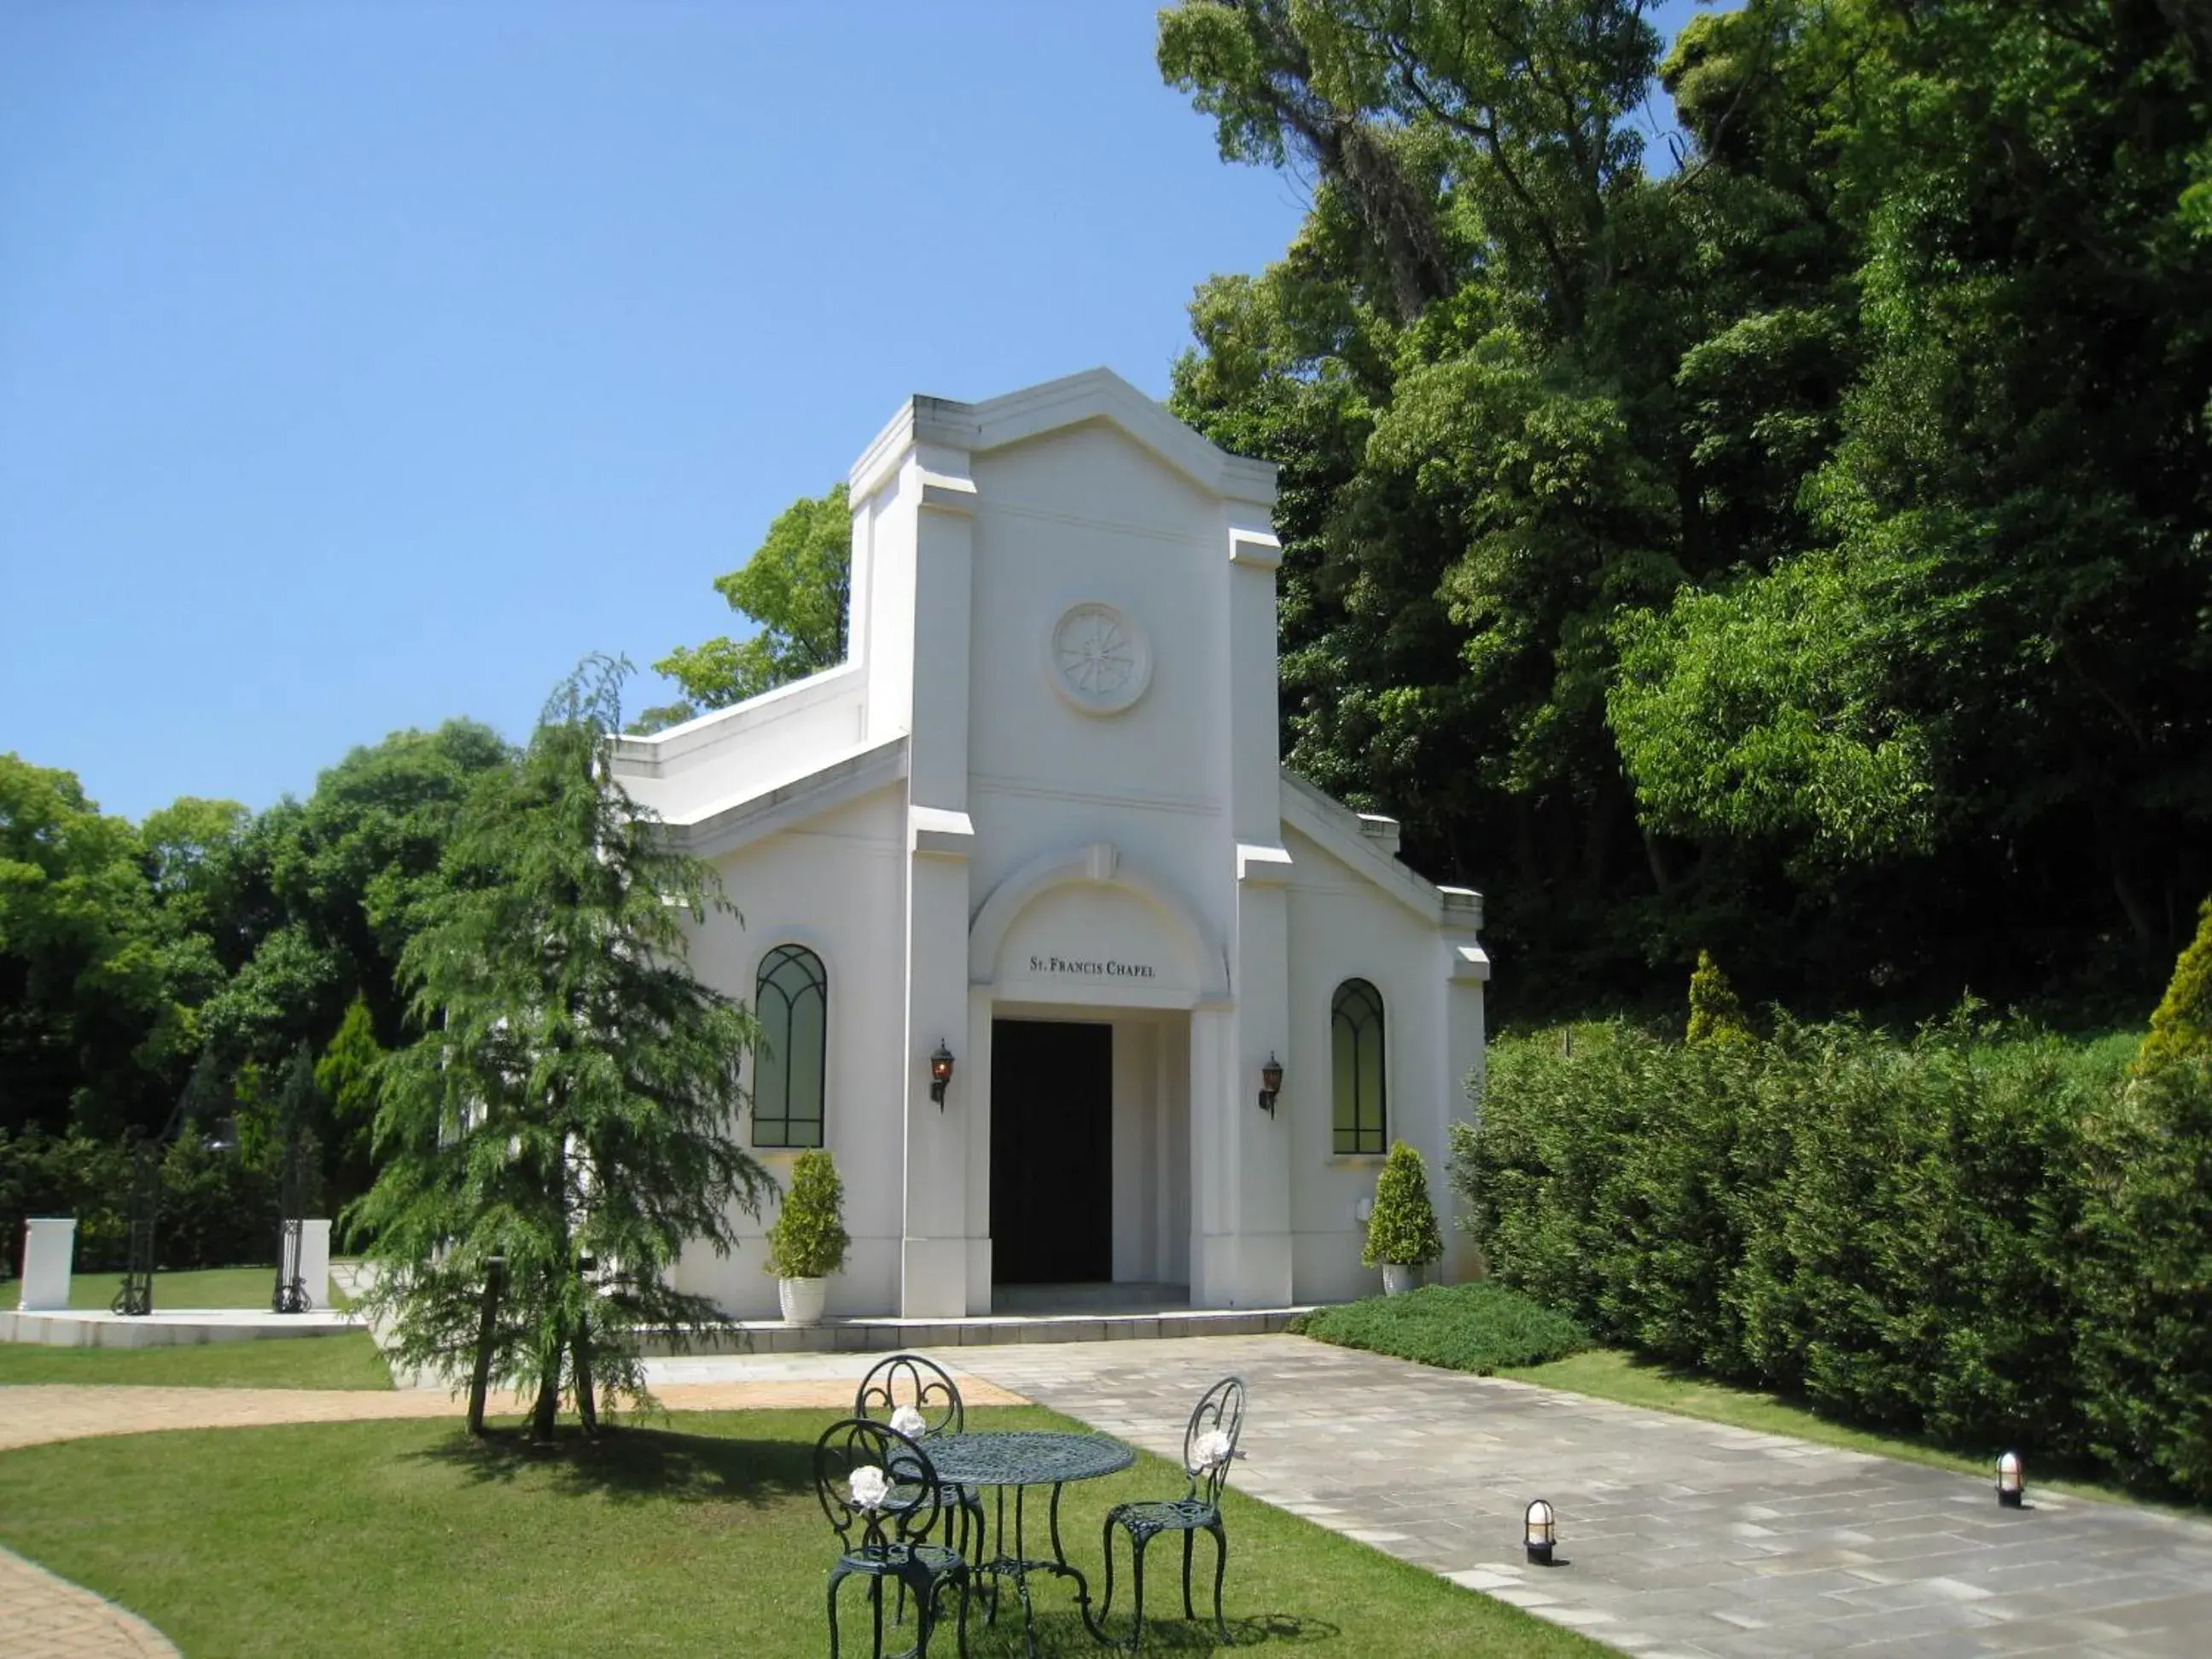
1019 1563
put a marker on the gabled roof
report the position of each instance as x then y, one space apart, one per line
1361 842
1096 394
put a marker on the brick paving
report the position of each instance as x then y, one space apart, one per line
32 1413
43 1617
1678 1538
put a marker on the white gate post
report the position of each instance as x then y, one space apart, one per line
49 1250
315 1262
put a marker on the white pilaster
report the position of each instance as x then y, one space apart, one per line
1466 970
934 1265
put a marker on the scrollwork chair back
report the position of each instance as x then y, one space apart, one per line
908 1379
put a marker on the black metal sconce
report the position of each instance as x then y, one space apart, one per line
1271 1083
940 1073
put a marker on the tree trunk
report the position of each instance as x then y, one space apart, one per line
1662 879
480 1377
549 1383
586 1405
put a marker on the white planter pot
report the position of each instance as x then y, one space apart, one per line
1399 1277
802 1299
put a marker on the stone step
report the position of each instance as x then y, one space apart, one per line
889 1336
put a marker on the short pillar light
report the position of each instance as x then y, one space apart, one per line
1540 1530
940 1073
2012 1488
1271 1083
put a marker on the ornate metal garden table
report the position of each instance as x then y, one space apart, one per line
1022 1459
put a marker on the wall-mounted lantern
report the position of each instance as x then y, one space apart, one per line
2012 1487
940 1073
1271 1083
1540 1531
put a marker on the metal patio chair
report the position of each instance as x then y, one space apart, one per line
882 1499
909 1379
1209 1443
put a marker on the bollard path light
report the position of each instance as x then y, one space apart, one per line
1540 1532
2012 1490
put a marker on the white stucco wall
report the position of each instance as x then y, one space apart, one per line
1342 928
834 888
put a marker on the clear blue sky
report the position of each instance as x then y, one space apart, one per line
365 364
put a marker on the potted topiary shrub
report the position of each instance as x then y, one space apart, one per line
1401 1231
807 1242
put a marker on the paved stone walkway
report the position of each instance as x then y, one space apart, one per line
1679 1538
32 1413
43 1617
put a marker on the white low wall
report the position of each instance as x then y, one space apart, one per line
87 1329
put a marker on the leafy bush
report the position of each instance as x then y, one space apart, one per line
1402 1227
807 1239
2143 1326
1716 1012
1988 1236
1464 1327
2182 1026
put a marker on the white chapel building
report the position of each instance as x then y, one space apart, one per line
1037 823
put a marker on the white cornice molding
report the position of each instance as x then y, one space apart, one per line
1256 549
729 825
938 832
1337 829
660 753
1094 395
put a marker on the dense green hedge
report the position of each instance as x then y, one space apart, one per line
1475 1327
218 1209
1994 1238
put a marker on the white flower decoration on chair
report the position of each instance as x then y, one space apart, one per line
909 1422
870 1486
1210 1451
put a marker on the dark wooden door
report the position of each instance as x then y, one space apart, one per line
1052 1153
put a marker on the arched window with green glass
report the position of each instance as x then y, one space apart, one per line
792 1001
1360 1119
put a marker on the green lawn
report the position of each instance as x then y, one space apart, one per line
704 1537
1481 1327
345 1361
205 1288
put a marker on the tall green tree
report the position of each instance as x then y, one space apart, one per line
99 980
330 889
346 1076
797 586
574 1091
1799 546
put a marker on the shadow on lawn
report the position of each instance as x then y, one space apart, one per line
1059 1632
638 1463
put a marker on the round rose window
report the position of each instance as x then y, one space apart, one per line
1097 659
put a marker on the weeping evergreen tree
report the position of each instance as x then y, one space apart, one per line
573 1094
